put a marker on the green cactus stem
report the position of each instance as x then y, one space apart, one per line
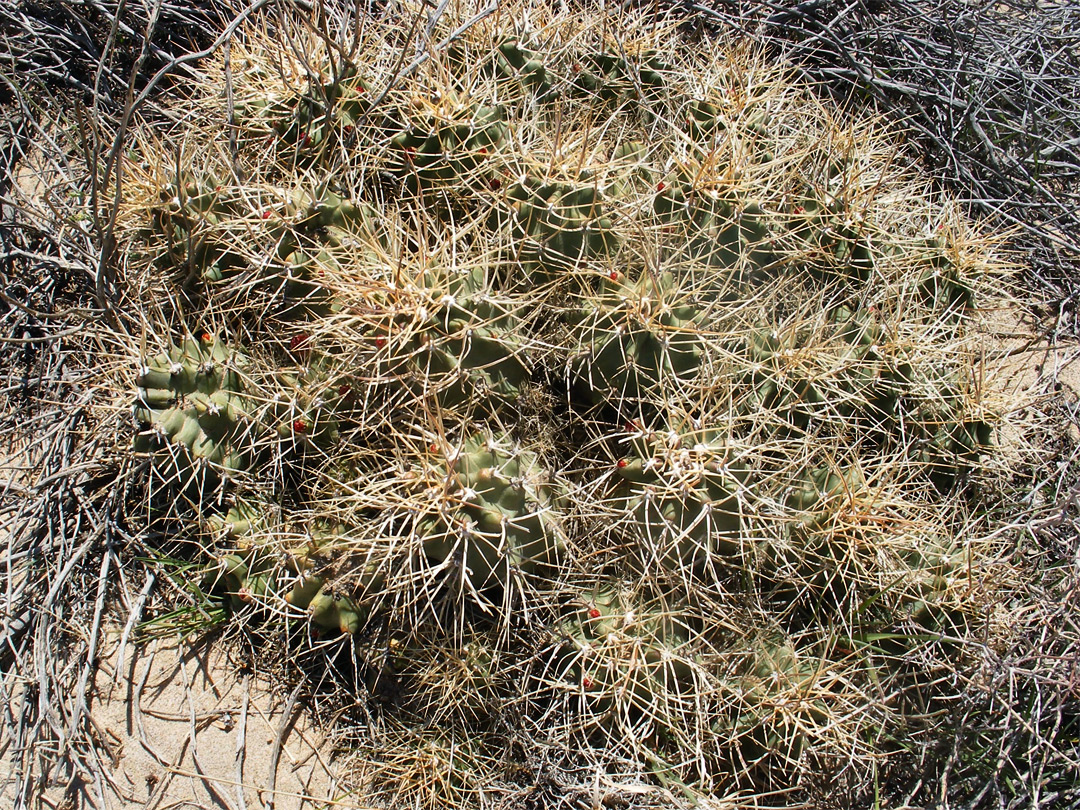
190 410
496 516
833 240
628 663
638 339
781 702
241 578
457 343
447 141
192 219
558 226
615 80
714 228
680 498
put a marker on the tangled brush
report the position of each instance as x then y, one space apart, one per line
610 398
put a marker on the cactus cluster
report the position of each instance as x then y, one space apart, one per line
502 359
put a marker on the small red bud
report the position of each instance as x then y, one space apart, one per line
594 613
483 150
613 275
266 214
299 426
621 463
245 595
298 342
495 184
344 390
380 341
661 186
305 139
204 336
587 682
434 448
800 210
576 68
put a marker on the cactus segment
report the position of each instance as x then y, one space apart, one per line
311 416
461 347
514 60
342 602
503 519
941 284
331 612
703 120
681 498
447 142
242 519
190 409
818 493
638 339
191 220
615 80
242 578
844 376
304 125
627 661
833 239
559 225
779 708
947 444
714 230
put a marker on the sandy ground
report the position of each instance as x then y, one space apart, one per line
183 728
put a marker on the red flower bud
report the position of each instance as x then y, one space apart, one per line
299 426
